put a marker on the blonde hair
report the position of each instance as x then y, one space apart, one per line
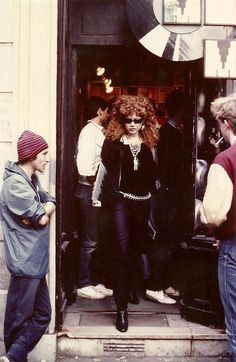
124 107
225 108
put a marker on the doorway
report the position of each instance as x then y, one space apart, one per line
132 70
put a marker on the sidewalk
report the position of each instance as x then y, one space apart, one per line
143 359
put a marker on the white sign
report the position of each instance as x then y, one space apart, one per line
220 59
220 12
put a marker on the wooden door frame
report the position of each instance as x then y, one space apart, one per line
62 57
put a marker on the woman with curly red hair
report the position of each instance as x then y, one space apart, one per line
128 162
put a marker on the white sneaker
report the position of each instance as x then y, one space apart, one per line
90 292
4 359
172 292
105 291
159 296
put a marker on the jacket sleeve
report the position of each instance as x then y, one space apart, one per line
107 154
218 196
97 189
21 200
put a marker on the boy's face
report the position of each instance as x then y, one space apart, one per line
41 160
224 128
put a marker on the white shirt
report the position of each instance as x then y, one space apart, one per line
218 196
89 148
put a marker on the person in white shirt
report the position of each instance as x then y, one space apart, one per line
88 159
219 211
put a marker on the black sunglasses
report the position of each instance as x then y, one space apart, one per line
130 120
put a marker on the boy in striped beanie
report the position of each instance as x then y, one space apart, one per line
29 145
25 214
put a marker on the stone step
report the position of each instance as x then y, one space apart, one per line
149 335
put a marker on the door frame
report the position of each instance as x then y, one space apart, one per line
62 66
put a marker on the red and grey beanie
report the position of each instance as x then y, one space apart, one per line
29 145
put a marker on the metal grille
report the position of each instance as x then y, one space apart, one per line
128 346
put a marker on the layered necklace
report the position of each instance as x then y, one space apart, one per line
135 149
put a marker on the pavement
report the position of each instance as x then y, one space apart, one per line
143 359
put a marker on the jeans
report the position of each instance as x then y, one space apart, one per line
88 235
227 286
27 316
129 225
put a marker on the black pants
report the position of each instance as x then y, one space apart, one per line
129 225
27 316
163 253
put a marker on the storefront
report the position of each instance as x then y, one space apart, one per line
140 55
54 49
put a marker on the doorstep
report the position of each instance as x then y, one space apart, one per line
150 334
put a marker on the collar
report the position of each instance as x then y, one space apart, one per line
124 139
95 124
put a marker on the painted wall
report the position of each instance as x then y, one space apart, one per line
28 60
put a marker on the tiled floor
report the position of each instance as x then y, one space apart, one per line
86 312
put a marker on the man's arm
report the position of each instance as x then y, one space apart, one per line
218 197
20 201
86 153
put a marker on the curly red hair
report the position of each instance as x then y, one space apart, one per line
127 105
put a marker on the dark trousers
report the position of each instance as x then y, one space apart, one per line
88 235
27 316
129 225
163 251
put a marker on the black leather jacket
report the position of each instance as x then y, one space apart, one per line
109 173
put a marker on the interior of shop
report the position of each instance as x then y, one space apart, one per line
110 71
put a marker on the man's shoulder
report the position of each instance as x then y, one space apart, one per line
228 153
226 158
167 128
13 178
89 129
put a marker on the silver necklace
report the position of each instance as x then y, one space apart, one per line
135 149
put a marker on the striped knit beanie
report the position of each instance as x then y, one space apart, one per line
29 145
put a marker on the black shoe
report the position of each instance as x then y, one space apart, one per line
133 298
122 320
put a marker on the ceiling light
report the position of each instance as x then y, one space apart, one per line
109 89
107 82
100 71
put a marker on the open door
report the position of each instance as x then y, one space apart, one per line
200 295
